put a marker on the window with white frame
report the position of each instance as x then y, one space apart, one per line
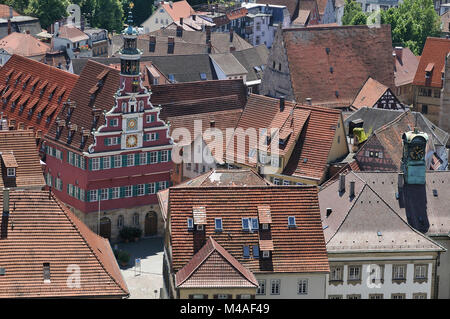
164 156
261 287
130 160
115 192
375 296
336 273
151 136
128 192
419 296
190 223
151 188
286 183
93 195
95 163
266 254
104 194
143 158
11 172
275 286
117 161
163 185
354 272
398 296
58 184
302 287
276 181
149 118
399 272
140 190
114 122
153 157
291 221
106 162
420 271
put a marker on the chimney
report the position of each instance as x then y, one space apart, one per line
399 53
400 180
194 17
5 215
232 49
352 189
282 103
231 34
341 183
181 21
208 34
308 101
209 47
329 211
9 26
212 123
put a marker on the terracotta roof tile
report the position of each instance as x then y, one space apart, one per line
370 93
39 74
5 11
296 249
433 54
348 56
178 9
405 67
213 266
39 230
264 214
72 33
23 44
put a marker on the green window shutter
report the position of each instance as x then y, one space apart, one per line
159 156
111 122
152 118
120 139
110 193
106 141
169 155
88 196
157 136
122 192
90 164
134 190
136 159
146 189
148 157
101 162
124 161
112 161
156 187
145 137
53 151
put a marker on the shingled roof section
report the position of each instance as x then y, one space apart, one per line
370 93
406 64
39 111
40 230
328 64
213 267
22 145
434 51
83 113
296 249
24 44
366 222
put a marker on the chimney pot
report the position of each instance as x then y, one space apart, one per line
308 101
181 21
212 123
329 211
352 189
282 98
341 183
400 180
399 53
231 34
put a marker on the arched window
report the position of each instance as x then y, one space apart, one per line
136 219
120 221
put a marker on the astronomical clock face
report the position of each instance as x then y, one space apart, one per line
132 124
131 141
417 153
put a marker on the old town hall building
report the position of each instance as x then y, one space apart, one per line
107 162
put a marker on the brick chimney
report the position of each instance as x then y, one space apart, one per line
181 21
398 53
208 34
282 98
231 34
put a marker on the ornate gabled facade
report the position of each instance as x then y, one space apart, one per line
109 169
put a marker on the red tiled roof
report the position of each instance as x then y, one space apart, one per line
237 13
296 249
212 266
39 73
5 11
370 93
264 215
434 53
9 160
23 44
179 9
266 245
39 230
72 33
334 77
22 145
405 67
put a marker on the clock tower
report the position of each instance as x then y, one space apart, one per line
413 159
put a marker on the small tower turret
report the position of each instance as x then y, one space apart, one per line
413 159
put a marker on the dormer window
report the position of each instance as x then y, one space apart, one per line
218 224
429 70
190 224
428 75
291 221
266 254
199 227
11 172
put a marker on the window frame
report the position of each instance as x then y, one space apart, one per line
302 286
275 283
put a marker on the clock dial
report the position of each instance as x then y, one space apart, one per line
131 141
132 124
417 153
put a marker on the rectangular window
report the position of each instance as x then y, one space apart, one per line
130 160
354 272
150 118
190 223
142 158
11 172
117 161
141 190
93 195
104 194
114 122
335 297
128 192
153 157
95 162
302 287
398 296
336 274
245 224
353 296
246 251
46 272
291 221
218 224
151 188
266 254
261 287
276 181
164 156
163 185
399 272
151 136
420 271
375 296
420 296
115 192
255 251
106 162
275 286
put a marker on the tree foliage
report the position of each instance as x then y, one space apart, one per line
352 9
48 11
108 14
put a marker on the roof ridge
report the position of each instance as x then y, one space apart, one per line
67 213
48 67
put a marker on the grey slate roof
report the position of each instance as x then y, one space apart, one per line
367 222
185 68
228 63
251 58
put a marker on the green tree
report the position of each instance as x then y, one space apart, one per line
18 5
48 11
411 23
108 14
360 18
351 9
